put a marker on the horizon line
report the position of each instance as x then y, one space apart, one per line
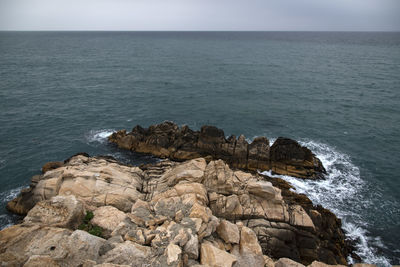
375 31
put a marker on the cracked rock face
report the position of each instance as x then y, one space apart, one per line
167 140
167 214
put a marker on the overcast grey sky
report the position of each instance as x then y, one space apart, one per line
347 15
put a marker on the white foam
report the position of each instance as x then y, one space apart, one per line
99 136
337 192
10 194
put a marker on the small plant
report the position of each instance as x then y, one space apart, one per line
90 228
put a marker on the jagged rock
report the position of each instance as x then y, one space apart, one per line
128 253
59 211
191 248
167 140
173 253
186 204
289 158
51 166
228 231
212 256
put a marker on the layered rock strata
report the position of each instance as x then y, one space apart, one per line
167 140
167 214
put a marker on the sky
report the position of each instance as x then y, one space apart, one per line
201 15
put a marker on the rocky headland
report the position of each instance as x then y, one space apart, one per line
203 210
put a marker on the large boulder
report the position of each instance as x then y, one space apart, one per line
59 211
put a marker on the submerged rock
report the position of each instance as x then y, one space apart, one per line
167 214
167 140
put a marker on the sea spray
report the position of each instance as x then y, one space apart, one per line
340 192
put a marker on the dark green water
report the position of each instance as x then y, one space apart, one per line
338 93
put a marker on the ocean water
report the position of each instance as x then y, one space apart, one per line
336 93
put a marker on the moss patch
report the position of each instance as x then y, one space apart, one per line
90 228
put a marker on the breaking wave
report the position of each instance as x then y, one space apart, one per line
98 136
341 193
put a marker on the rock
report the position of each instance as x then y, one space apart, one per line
59 211
290 158
41 261
249 242
51 166
321 264
173 253
215 257
143 210
128 253
81 246
355 265
228 231
167 140
191 248
18 243
108 218
285 262
268 262
249 252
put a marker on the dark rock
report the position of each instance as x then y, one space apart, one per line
167 140
52 165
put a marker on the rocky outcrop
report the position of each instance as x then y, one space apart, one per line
167 140
167 214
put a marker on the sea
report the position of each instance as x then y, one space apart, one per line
337 93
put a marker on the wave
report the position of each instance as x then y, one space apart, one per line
340 192
7 220
98 136
9 195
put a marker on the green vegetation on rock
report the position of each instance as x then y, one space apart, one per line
90 228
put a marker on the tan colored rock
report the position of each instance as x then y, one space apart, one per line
249 242
285 262
52 165
81 246
262 189
248 252
111 265
228 231
108 218
59 211
41 261
173 253
215 257
199 211
299 217
19 242
321 264
128 253
268 262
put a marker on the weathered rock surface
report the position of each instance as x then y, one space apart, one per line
167 214
168 140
